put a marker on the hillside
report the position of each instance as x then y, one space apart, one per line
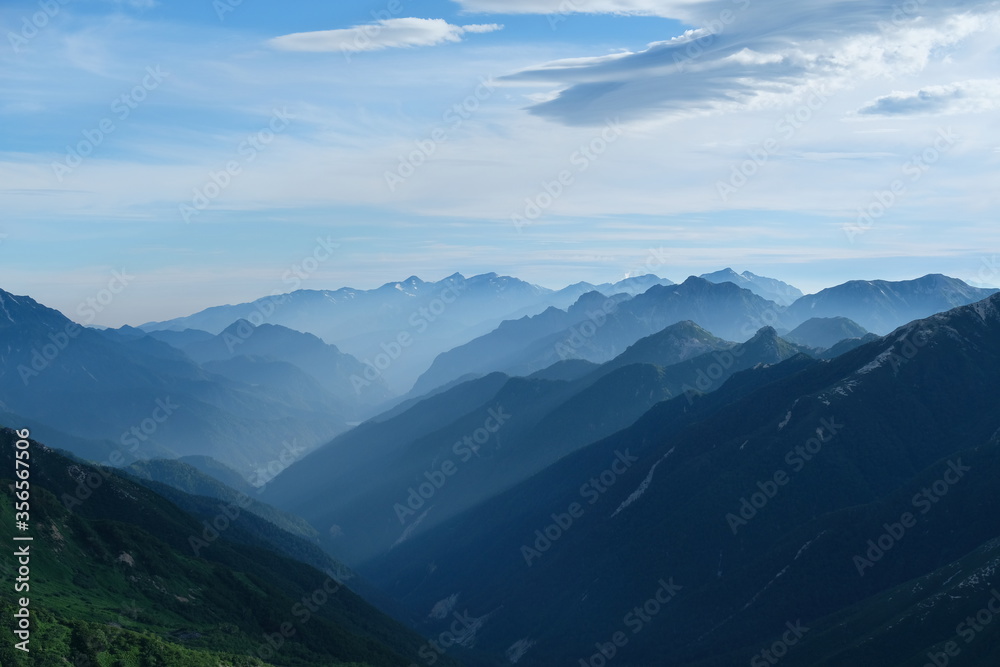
114 577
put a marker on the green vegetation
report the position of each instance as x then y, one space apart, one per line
114 581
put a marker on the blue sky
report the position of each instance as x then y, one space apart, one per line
554 140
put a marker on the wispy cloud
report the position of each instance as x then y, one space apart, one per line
666 8
383 34
972 96
744 54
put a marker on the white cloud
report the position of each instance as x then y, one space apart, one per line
666 8
749 56
383 34
972 96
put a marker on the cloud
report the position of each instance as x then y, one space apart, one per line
744 55
672 9
972 96
383 34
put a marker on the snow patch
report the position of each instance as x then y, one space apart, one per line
409 529
3 306
876 362
806 545
761 591
981 577
986 309
641 489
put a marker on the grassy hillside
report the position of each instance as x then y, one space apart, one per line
115 580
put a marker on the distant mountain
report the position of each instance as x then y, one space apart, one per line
825 332
880 305
185 477
567 296
568 370
769 288
846 345
398 328
520 425
780 498
521 343
181 339
121 575
597 329
633 285
125 395
219 471
324 363
674 344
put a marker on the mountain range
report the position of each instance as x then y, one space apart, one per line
771 289
717 472
835 494
123 575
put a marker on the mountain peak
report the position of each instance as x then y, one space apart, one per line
765 333
591 300
692 281
726 274
239 325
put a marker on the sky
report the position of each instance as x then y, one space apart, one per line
191 153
